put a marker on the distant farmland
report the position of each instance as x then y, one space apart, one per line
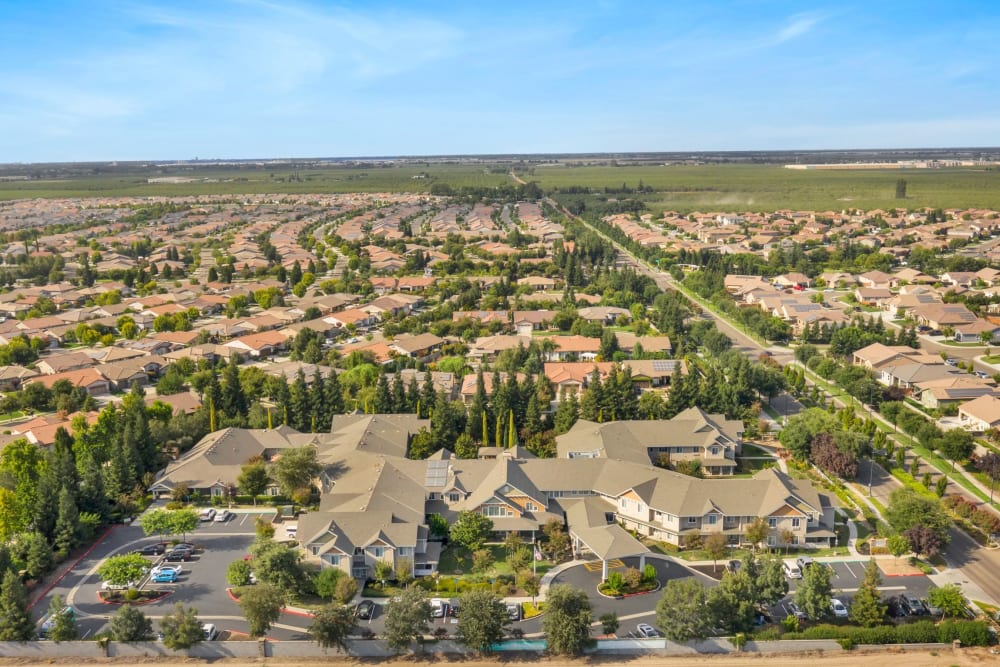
682 188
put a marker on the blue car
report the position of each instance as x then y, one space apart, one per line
165 577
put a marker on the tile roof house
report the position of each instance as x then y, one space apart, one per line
980 414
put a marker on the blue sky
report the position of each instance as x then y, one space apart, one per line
117 79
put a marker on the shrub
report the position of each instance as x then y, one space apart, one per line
846 643
970 633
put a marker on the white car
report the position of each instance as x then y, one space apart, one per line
207 514
437 607
839 608
223 516
108 586
646 630
211 632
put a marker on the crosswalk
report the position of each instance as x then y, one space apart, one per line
595 566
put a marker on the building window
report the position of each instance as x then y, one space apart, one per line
403 551
795 522
453 497
712 519
531 507
771 541
715 451
359 551
334 560
772 522
692 520
378 552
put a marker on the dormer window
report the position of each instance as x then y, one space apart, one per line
454 497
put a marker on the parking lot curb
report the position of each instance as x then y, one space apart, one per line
72 566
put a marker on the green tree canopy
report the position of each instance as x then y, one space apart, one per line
332 625
261 605
470 530
567 618
296 469
15 620
128 624
483 620
813 594
181 629
682 612
407 618
867 607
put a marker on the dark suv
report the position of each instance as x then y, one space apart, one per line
912 605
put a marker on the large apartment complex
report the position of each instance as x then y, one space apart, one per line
376 502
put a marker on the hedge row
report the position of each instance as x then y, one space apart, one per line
970 633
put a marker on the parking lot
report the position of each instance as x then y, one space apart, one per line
848 576
201 583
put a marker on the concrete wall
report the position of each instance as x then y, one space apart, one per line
45 649
206 650
791 646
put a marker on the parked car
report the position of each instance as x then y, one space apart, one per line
951 361
437 607
894 608
514 611
839 608
734 566
175 555
762 617
164 577
647 630
176 569
156 549
186 546
981 375
207 514
211 632
108 586
223 516
793 610
365 610
931 609
912 605
804 561
792 569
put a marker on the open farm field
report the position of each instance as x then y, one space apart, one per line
257 180
769 187
681 188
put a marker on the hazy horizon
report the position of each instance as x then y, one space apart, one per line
253 79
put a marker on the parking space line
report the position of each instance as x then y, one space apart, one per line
244 518
850 570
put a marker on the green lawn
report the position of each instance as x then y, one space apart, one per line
754 450
456 562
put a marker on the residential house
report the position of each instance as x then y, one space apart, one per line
980 414
872 296
878 279
951 390
423 346
975 332
939 316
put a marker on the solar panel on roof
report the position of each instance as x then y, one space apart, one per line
660 365
436 473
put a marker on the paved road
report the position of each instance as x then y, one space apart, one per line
977 563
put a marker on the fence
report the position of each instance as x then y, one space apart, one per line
41 650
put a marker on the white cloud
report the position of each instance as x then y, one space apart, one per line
796 26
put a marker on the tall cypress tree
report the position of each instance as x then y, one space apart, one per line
15 620
334 395
68 522
383 395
